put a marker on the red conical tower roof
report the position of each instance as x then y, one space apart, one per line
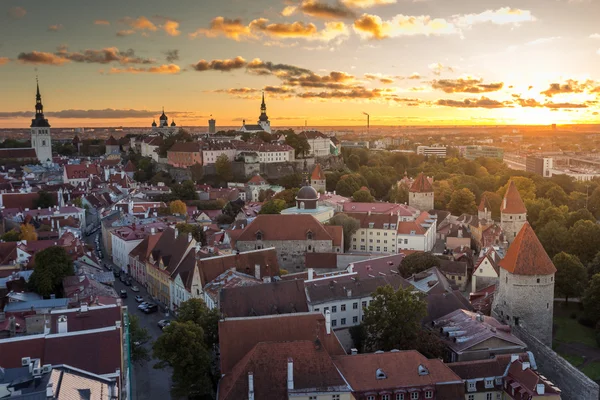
526 255
421 185
512 202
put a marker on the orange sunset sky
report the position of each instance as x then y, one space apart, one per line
405 62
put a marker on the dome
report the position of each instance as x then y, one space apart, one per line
153 123
307 193
173 123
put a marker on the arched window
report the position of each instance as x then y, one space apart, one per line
259 236
302 205
309 236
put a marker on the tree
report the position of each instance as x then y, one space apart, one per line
558 214
182 347
196 311
349 227
393 319
591 300
557 196
553 237
196 230
178 207
264 195
525 186
417 262
570 276
299 143
44 200
354 162
577 200
197 171
584 240
185 191
442 194
581 214
11 236
593 267
51 266
273 206
462 201
594 203
363 196
534 208
350 183
28 232
494 200
398 194
223 168
137 337
288 195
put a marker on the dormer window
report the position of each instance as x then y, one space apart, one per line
489 383
386 226
309 235
379 374
371 225
259 235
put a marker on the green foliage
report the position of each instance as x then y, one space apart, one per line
557 196
349 226
558 214
11 236
417 262
363 196
494 201
442 194
584 240
290 181
196 230
398 194
594 203
14 144
178 207
591 300
207 204
462 201
265 195
138 335
182 348
332 178
353 162
230 211
288 195
298 142
44 200
581 214
64 149
571 275
553 237
350 183
358 334
197 171
184 191
223 168
593 267
577 200
51 266
273 206
169 141
534 208
525 186
196 311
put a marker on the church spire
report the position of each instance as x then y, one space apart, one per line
39 120
263 110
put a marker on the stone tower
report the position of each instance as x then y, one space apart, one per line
263 119
317 179
41 140
484 211
525 293
420 194
513 214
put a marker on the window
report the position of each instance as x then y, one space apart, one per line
333 309
370 397
489 383
325 309
429 394
405 241
414 395
343 307
364 304
488 396
538 280
335 397
355 306
399 396
471 397
312 397
309 235
354 320
334 322
471 386
385 397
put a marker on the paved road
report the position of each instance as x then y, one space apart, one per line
147 382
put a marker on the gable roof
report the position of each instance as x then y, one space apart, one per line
421 185
210 268
284 227
186 147
317 174
484 204
129 167
237 336
512 202
526 255
282 297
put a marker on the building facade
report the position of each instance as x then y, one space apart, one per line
474 152
318 180
436 151
185 154
539 165
420 194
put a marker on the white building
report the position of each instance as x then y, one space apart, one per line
163 126
319 143
438 151
213 150
41 140
149 147
268 152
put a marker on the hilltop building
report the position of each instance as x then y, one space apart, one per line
525 294
263 124
513 214
41 139
421 194
307 200
163 125
112 146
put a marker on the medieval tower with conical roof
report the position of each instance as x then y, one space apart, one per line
525 292
41 140
318 180
420 194
513 214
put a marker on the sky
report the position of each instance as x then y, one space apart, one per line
319 62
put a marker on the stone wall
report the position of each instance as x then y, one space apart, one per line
572 382
290 253
511 225
421 201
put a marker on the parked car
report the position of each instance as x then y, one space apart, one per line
123 294
127 282
143 305
152 308
163 323
135 289
139 298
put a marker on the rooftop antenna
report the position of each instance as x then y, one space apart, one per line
368 121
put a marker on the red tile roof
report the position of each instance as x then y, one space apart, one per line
81 171
210 268
484 204
285 227
401 369
257 180
93 318
526 255
421 185
7 154
317 174
129 167
186 147
512 202
111 141
238 336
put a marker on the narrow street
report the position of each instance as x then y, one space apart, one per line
147 382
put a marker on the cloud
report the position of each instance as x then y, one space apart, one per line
315 8
17 12
367 3
220 26
543 41
415 75
101 22
172 55
259 67
334 80
571 86
41 58
125 32
278 89
438 68
551 105
103 56
294 30
595 36
159 69
501 16
373 27
357 93
140 24
237 91
220 65
483 102
171 28
386 80
4 60
55 28
289 10
107 113
465 86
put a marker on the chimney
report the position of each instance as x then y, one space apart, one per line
189 237
12 326
257 271
349 292
176 233
290 374
250 386
62 324
311 274
541 388
525 365
328 322
513 358
49 391
353 351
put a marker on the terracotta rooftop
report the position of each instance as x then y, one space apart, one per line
317 174
512 202
421 185
186 147
111 141
526 255
484 203
285 227
129 167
